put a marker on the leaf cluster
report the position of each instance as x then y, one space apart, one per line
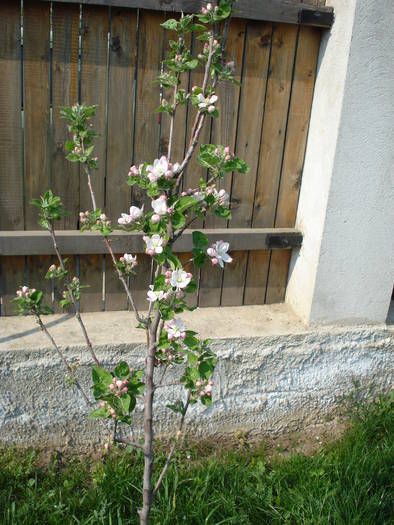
50 209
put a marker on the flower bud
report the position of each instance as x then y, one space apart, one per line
32 290
170 357
198 383
155 218
103 217
217 151
211 109
170 210
209 7
227 157
111 387
150 252
121 259
183 335
119 383
214 261
125 389
202 394
227 150
52 268
168 174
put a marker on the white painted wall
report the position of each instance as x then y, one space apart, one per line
344 272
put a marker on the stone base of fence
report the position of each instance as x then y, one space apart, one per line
274 375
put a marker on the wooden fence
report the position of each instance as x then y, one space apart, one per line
56 53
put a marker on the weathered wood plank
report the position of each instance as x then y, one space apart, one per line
270 10
93 91
284 42
122 62
147 129
11 143
91 273
296 136
12 276
36 105
72 242
65 174
37 267
251 112
224 131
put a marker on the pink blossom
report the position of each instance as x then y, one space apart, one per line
218 253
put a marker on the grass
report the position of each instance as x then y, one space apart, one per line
347 482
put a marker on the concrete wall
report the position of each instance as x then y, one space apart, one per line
344 272
273 375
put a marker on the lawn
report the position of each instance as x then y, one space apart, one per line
346 482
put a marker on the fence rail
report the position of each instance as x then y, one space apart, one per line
58 53
288 11
83 243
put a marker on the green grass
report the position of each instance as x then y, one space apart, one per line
347 482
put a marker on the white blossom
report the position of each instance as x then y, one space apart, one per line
155 295
218 253
175 329
159 169
206 103
134 215
180 279
160 205
154 244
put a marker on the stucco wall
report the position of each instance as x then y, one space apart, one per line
276 377
344 272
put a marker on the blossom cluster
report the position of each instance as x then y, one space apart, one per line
127 263
175 329
204 388
25 292
162 168
154 244
218 253
134 215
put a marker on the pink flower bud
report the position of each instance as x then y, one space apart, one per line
183 194
170 210
202 394
204 11
214 261
227 150
75 279
52 268
32 290
145 238
111 411
170 167
190 275
170 337
217 151
19 293
198 383
227 157
125 389
189 191
150 252
119 383
168 273
81 214
211 109
183 335
194 88
208 394
171 357
106 446
210 383
125 382
117 394
167 281
25 289
134 170
168 174
155 218
121 259
27 295
111 386
164 351
103 217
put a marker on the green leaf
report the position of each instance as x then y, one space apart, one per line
178 407
178 220
185 202
170 24
98 412
99 375
122 370
207 401
200 240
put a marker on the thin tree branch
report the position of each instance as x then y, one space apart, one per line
73 300
63 358
123 441
172 450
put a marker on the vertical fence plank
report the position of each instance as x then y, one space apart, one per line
147 129
11 146
224 130
179 134
271 152
95 23
65 93
12 276
93 91
296 136
122 63
36 104
37 267
91 273
251 111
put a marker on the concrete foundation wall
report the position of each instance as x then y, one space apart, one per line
276 377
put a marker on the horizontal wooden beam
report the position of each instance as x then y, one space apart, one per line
288 11
80 243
